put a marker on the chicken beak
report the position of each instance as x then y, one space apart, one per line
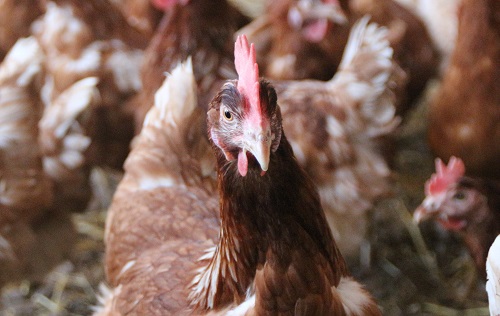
421 214
261 149
427 210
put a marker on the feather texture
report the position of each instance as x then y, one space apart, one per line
334 127
493 277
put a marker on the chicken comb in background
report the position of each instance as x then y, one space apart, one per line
493 277
445 175
467 205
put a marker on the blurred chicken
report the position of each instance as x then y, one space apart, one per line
202 29
413 48
140 14
464 117
290 38
31 216
275 252
75 51
106 21
467 205
441 19
63 144
304 39
26 192
335 127
16 17
493 277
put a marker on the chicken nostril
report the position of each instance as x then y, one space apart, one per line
263 138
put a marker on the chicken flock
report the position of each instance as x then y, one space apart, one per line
254 149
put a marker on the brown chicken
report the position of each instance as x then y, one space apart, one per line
464 117
290 38
106 21
335 128
165 192
140 14
16 17
467 205
413 48
202 29
26 191
35 229
441 20
76 51
63 145
275 252
291 54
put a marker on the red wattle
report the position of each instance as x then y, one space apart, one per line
242 163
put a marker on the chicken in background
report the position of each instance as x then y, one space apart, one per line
335 129
35 228
464 116
16 17
26 192
74 51
202 29
140 14
298 29
275 252
493 277
441 19
413 47
63 145
106 21
463 204
290 38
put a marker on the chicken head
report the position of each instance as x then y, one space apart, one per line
246 124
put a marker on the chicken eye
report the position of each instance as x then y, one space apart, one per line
228 116
459 195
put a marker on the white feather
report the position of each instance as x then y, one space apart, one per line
493 274
176 98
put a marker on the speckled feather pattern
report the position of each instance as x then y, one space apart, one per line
333 128
195 29
23 184
151 260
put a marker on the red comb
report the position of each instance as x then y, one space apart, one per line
445 175
167 4
245 62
